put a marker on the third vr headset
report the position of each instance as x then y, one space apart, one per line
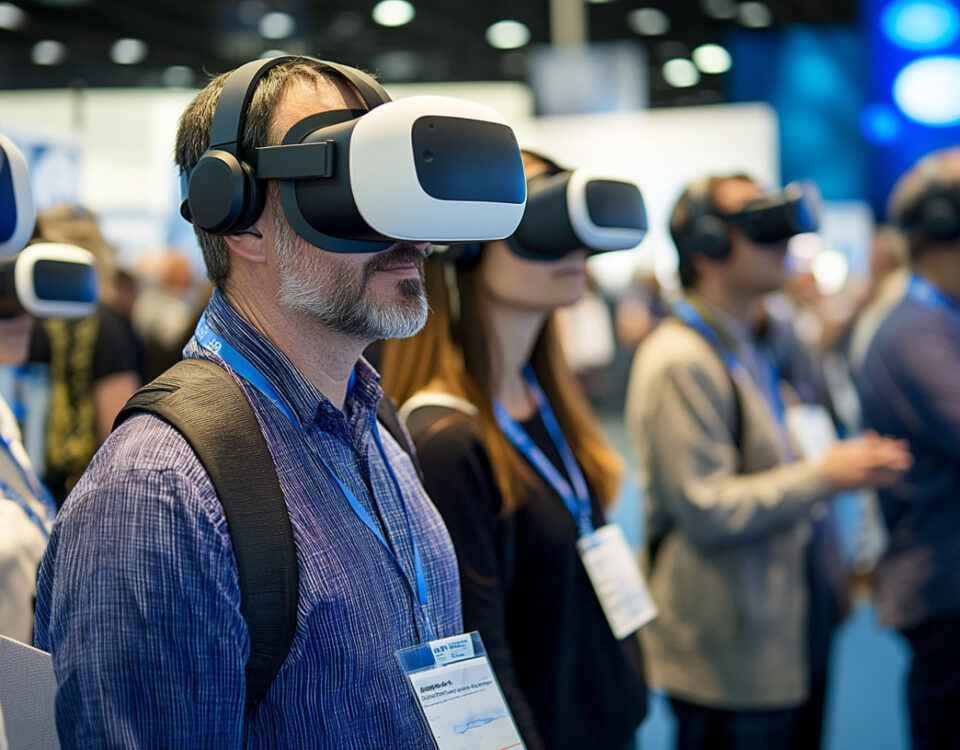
17 214
566 211
935 214
768 220
422 169
46 280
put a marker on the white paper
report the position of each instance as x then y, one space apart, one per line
811 430
465 708
617 580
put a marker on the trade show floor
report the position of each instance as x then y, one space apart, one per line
866 704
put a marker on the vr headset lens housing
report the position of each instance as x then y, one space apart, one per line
780 215
49 280
580 210
423 169
17 215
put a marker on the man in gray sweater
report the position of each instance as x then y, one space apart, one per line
729 510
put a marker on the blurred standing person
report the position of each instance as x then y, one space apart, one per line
729 511
909 386
93 360
889 277
514 461
26 509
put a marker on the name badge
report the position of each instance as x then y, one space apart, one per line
459 695
617 580
810 430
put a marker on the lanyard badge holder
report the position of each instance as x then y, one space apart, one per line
459 695
451 678
607 558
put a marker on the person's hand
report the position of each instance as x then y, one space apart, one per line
867 461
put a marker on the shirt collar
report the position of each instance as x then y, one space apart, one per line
307 403
729 327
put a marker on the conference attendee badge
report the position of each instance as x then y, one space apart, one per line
616 577
459 695
811 430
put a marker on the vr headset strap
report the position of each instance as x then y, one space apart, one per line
203 402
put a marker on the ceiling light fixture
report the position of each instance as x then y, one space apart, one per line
721 9
393 12
12 18
48 52
680 73
277 25
128 51
712 59
754 15
507 34
648 21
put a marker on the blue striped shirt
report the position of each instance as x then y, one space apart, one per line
139 602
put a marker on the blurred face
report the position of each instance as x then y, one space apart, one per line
538 286
751 268
368 296
15 339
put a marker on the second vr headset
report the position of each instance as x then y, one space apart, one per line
572 210
422 169
768 220
48 280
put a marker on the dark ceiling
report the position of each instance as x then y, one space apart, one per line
444 42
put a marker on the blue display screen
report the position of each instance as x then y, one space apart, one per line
63 281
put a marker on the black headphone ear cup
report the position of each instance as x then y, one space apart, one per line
709 236
218 194
256 197
939 220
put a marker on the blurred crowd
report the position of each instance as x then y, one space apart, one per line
468 491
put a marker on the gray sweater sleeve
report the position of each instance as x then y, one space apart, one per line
684 422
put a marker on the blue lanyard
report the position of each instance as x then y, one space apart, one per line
245 369
924 293
39 490
577 498
9 493
693 318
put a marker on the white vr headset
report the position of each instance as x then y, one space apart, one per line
17 214
582 209
422 169
48 280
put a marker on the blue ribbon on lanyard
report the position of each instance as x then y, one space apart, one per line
924 293
39 490
245 369
577 498
771 390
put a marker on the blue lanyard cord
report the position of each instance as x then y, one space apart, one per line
11 494
924 293
245 369
577 498
240 365
38 488
692 317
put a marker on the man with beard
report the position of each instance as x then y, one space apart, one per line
139 599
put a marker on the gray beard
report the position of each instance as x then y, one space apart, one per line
336 297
